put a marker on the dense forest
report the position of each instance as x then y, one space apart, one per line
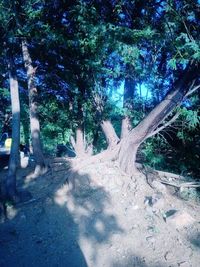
106 80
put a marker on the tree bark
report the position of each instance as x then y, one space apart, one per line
78 143
80 146
127 156
111 136
9 184
126 127
34 121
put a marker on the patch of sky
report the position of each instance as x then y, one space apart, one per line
187 103
116 93
191 16
160 9
60 67
143 91
143 11
122 16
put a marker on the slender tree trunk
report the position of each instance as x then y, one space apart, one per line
80 144
129 92
34 121
9 184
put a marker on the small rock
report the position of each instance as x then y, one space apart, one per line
150 239
152 229
168 214
156 201
168 255
181 219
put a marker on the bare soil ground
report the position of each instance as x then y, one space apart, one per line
103 218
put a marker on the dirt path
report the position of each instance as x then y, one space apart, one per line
107 219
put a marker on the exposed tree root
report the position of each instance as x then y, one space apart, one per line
39 171
185 185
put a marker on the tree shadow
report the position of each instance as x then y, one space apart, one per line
87 203
60 226
195 240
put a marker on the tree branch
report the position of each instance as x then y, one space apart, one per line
164 125
191 91
73 143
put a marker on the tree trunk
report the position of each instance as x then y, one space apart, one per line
9 184
34 121
129 92
127 156
79 143
126 127
111 136
130 144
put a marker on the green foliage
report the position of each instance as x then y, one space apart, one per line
81 47
5 93
172 63
189 194
152 152
190 117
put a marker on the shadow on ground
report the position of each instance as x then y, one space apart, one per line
59 226
195 240
3 161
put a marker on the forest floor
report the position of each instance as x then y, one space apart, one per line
105 219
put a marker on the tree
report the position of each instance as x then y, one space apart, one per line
9 184
21 18
34 121
170 67
87 45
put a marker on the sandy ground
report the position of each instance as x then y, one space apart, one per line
104 219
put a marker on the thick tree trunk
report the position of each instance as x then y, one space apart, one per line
111 136
126 127
125 150
127 156
9 184
34 121
130 144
